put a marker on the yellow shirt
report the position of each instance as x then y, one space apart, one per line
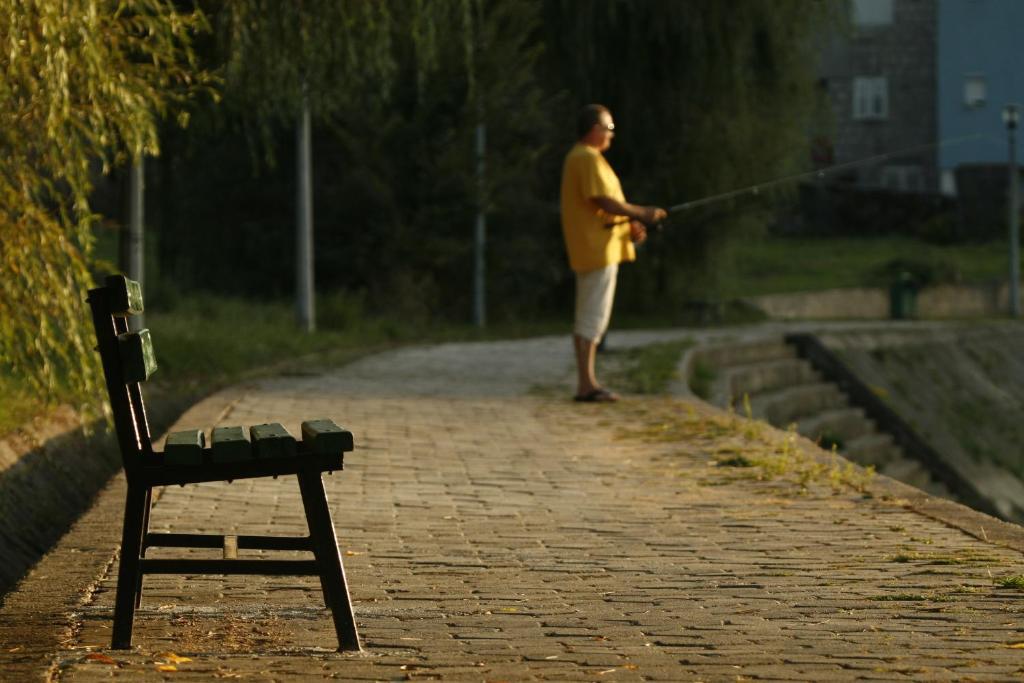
591 245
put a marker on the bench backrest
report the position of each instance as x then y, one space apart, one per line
127 362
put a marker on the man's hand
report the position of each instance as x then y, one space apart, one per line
645 214
637 232
653 214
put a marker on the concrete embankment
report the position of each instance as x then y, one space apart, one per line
50 471
961 388
957 387
864 303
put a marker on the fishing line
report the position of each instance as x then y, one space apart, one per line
820 173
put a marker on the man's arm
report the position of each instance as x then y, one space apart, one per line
645 214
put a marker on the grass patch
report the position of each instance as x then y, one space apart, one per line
776 265
646 369
1011 582
944 560
918 597
900 597
761 451
702 377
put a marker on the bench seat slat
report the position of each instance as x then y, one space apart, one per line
272 440
185 447
228 444
325 436
164 475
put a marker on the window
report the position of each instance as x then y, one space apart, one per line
872 12
870 97
948 183
975 91
903 178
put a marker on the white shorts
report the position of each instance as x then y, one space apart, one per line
595 291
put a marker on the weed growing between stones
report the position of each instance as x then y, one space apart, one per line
915 597
751 447
1011 582
966 558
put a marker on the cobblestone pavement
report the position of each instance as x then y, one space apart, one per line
496 533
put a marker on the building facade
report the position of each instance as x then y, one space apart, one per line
920 73
980 56
880 78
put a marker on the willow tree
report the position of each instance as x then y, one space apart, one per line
83 84
708 96
292 62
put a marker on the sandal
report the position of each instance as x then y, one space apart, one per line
599 395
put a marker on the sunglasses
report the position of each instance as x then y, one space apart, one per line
607 126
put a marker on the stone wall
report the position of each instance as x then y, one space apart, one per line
946 301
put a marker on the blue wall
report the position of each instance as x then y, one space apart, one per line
983 37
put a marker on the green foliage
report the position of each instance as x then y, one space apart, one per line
648 369
921 271
395 179
1011 581
780 265
707 97
214 339
82 85
277 56
701 378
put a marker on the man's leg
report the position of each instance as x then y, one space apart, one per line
586 381
595 292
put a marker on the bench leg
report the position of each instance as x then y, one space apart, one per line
128 572
145 530
325 547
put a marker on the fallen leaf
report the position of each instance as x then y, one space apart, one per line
16 649
606 671
350 553
166 667
1017 646
102 659
173 658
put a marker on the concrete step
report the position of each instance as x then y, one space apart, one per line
782 407
841 425
756 378
742 354
874 448
915 474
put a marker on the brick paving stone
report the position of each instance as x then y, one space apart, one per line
493 534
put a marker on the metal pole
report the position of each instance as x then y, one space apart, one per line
480 233
1014 225
304 228
136 225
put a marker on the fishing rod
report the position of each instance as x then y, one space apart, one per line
817 174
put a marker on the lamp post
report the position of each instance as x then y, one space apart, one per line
1011 115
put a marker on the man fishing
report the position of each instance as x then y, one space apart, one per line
600 229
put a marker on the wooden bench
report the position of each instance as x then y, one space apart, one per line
269 451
